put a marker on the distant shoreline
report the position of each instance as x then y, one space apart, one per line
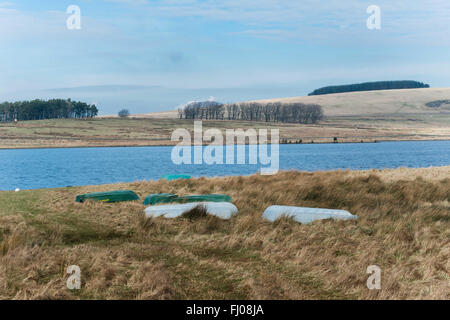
206 144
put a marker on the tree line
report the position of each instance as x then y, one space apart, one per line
370 86
253 111
50 109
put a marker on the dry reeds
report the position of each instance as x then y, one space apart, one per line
403 227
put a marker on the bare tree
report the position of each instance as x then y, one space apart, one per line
254 111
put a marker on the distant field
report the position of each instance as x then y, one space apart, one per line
403 227
351 117
382 102
145 132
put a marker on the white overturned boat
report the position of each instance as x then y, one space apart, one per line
306 215
223 210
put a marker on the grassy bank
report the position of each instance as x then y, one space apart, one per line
403 227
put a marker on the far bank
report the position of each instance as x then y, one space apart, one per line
110 132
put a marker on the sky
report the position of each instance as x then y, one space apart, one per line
155 55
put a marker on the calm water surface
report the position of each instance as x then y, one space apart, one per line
48 168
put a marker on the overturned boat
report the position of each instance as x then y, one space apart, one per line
223 210
306 215
159 198
170 177
204 198
108 196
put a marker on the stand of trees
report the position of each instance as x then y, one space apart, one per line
208 110
253 111
41 109
123 113
370 86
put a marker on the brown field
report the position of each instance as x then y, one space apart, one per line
403 227
379 102
148 131
351 117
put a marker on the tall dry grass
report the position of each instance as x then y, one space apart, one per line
403 227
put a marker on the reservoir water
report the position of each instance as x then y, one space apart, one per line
49 168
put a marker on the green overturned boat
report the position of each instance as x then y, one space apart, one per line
160 198
204 198
108 196
157 198
170 177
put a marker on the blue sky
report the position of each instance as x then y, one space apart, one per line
153 55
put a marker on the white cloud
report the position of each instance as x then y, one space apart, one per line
38 51
318 21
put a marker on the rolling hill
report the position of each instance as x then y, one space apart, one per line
404 101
